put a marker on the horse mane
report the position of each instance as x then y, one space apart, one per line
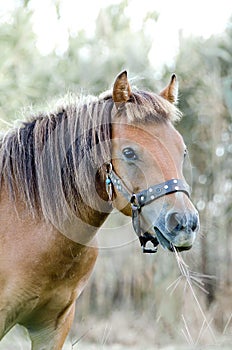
51 161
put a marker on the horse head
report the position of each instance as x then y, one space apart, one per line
146 174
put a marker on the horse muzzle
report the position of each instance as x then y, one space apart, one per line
177 230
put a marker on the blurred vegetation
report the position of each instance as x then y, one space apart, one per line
124 279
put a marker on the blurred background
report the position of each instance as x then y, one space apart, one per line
50 47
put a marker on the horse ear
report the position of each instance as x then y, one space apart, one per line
121 88
170 93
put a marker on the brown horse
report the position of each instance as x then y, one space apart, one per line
61 174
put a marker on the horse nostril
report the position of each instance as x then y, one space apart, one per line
176 221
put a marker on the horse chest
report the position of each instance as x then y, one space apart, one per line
71 264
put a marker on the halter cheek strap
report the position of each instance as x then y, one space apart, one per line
139 200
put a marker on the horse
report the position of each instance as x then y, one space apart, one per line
61 174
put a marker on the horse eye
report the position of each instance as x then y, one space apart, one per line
185 152
129 153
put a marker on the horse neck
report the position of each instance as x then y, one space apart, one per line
97 207
81 225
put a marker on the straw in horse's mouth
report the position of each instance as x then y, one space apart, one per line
166 244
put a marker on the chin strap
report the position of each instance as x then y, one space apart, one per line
139 200
144 237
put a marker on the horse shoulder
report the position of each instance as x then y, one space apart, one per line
38 265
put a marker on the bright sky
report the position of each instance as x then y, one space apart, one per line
193 17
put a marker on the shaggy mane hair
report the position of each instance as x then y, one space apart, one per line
52 160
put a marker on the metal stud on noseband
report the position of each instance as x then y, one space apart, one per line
139 200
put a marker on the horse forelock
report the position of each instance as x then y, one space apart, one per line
145 106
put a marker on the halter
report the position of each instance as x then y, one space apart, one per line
140 199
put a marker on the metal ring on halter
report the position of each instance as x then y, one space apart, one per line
109 185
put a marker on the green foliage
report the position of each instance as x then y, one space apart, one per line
206 95
16 63
88 65
90 61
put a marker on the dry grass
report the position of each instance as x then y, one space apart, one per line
119 332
